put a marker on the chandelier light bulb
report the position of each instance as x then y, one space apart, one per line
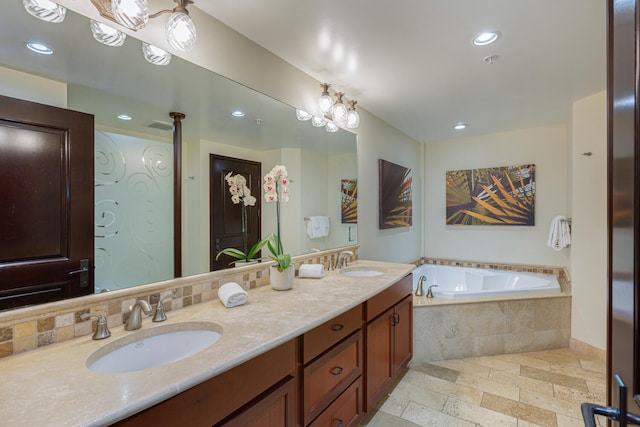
331 127
325 102
340 110
107 35
133 14
318 121
155 55
353 118
46 10
302 115
181 32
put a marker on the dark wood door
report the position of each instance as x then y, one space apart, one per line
46 215
226 217
624 200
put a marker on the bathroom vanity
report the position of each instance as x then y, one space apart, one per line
321 354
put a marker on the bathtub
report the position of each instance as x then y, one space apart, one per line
461 282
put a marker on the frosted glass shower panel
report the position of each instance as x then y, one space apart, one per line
133 211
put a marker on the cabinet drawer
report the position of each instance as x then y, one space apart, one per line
329 375
389 297
326 335
345 411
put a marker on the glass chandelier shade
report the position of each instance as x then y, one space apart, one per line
181 32
353 118
155 55
331 127
302 115
107 35
340 110
325 102
318 121
133 14
45 10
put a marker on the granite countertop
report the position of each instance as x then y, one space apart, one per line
53 386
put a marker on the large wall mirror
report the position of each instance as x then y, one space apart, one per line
109 81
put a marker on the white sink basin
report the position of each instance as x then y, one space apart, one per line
154 347
360 272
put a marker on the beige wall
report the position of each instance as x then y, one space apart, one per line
589 228
546 147
32 88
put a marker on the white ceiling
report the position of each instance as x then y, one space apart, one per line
412 63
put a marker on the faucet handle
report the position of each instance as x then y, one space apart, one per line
429 292
159 316
102 331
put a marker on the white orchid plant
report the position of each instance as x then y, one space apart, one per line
276 189
240 193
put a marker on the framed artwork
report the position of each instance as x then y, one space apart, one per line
491 196
349 201
395 205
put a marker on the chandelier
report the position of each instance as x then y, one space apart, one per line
333 113
133 14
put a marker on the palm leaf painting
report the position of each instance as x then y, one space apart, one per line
491 196
395 195
349 201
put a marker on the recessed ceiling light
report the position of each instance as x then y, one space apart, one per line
124 117
486 38
38 47
460 126
238 113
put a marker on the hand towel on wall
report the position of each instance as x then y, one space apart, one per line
559 233
231 294
317 226
313 271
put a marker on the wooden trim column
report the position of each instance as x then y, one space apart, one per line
177 192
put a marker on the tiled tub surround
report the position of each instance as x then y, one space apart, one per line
38 326
452 329
53 386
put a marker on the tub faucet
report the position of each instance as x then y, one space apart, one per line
342 260
429 293
419 290
135 315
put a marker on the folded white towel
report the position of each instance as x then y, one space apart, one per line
313 271
231 294
559 233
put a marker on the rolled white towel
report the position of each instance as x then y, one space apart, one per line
313 271
231 294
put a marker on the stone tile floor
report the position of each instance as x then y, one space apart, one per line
541 388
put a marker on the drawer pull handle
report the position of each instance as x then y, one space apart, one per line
339 422
336 371
337 327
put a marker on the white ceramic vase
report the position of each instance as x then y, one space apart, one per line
281 280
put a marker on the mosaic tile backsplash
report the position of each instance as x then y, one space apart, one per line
38 326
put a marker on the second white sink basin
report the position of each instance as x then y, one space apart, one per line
154 347
360 272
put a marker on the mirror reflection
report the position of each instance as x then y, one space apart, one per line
133 158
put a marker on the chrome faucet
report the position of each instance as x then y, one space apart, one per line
135 315
102 331
342 260
419 290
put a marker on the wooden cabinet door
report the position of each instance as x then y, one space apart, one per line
403 334
46 219
378 356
